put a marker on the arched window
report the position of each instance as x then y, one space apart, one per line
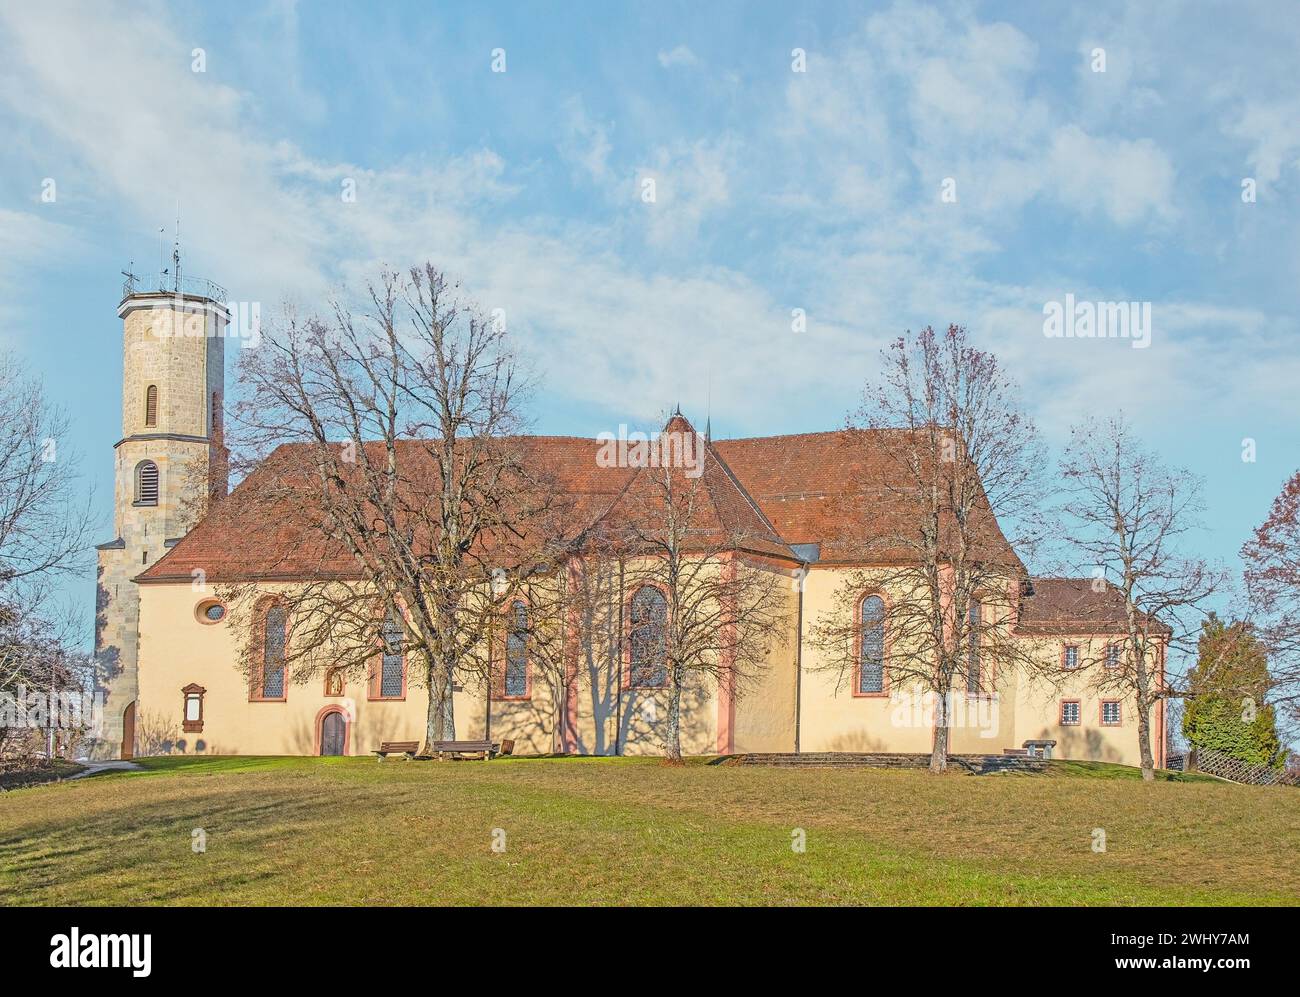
151 405
871 655
391 681
274 624
516 677
647 624
215 428
146 483
974 673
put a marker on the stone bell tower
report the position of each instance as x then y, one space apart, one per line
169 464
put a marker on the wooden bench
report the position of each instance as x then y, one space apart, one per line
457 750
406 748
1039 749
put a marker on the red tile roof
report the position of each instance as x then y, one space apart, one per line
838 489
1074 606
845 490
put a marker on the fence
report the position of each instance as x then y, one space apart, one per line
172 284
1235 770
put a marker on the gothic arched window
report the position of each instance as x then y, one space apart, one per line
516 677
974 669
871 657
391 680
648 622
274 637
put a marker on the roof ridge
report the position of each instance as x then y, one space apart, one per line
740 487
842 431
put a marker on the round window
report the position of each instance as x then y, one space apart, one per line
211 612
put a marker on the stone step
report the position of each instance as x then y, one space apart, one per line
978 764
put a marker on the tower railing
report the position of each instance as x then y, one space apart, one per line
171 283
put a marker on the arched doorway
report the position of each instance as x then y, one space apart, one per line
128 731
332 733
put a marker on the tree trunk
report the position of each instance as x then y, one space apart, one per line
1144 740
448 713
675 717
433 715
939 753
439 721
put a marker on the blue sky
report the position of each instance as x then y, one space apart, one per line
775 190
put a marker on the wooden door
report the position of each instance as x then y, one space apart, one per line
128 731
332 730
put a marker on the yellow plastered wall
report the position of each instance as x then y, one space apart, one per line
832 718
1039 698
1024 705
765 704
176 649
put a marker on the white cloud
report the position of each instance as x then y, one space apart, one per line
1129 180
679 56
1273 132
586 142
833 190
691 182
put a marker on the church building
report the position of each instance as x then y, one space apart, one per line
170 648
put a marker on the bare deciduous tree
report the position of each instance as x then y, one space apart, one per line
46 527
1127 518
945 453
706 603
1272 581
413 488
45 531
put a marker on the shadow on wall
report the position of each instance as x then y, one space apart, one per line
157 734
108 657
642 721
602 660
530 724
1075 742
858 741
364 736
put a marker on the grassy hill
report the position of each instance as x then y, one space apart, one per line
593 831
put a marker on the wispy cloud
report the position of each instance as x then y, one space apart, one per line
679 56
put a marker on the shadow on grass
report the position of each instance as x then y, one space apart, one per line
152 841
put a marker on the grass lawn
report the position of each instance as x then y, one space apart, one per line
600 831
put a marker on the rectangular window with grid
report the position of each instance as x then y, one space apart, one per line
1070 656
1070 713
1113 655
1110 713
